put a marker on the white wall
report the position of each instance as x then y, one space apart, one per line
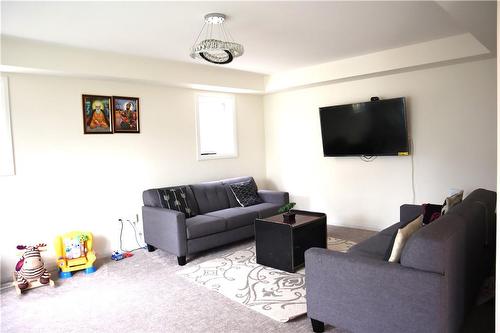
452 111
66 180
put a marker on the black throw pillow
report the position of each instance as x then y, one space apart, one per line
431 212
176 199
246 193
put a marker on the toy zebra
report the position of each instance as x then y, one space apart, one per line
30 269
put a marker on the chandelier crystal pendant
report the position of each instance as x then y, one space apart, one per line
217 46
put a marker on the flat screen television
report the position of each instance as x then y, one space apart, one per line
376 128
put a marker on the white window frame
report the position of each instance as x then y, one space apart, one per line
230 100
7 165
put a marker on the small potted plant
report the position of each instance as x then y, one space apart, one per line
288 216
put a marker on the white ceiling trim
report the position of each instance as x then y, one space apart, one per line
50 59
28 56
436 51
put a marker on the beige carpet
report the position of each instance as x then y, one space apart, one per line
144 294
274 293
138 294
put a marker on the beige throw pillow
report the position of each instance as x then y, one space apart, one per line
454 200
403 235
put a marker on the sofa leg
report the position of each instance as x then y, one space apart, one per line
318 326
181 260
151 248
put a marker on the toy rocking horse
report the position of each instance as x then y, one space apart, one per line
30 269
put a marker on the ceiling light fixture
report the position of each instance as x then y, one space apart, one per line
218 46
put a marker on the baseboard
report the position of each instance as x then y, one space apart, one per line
355 226
54 272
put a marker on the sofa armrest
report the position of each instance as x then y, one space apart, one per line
363 294
276 197
165 229
409 212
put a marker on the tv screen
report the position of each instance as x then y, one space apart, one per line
375 128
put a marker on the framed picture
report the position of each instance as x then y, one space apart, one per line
126 114
97 114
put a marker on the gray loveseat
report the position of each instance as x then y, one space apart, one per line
219 218
436 283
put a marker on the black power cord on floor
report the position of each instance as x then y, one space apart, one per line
135 235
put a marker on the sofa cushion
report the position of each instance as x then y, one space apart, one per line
476 243
264 209
176 199
374 247
437 247
204 225
151 197
235 217
489 198
246 193
210 196
226 182
474 215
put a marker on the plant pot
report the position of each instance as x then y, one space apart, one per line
289 217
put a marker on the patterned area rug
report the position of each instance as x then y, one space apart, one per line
277 294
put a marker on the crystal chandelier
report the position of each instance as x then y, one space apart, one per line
218 46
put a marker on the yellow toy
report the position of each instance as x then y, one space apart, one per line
74 252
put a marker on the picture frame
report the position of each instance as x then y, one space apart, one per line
126 114
97 116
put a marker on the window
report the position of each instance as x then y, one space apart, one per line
6 149
216 117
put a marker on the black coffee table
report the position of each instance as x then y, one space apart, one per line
282 245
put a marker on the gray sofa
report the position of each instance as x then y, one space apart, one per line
219 218
436 283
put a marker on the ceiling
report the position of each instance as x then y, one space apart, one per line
277 36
